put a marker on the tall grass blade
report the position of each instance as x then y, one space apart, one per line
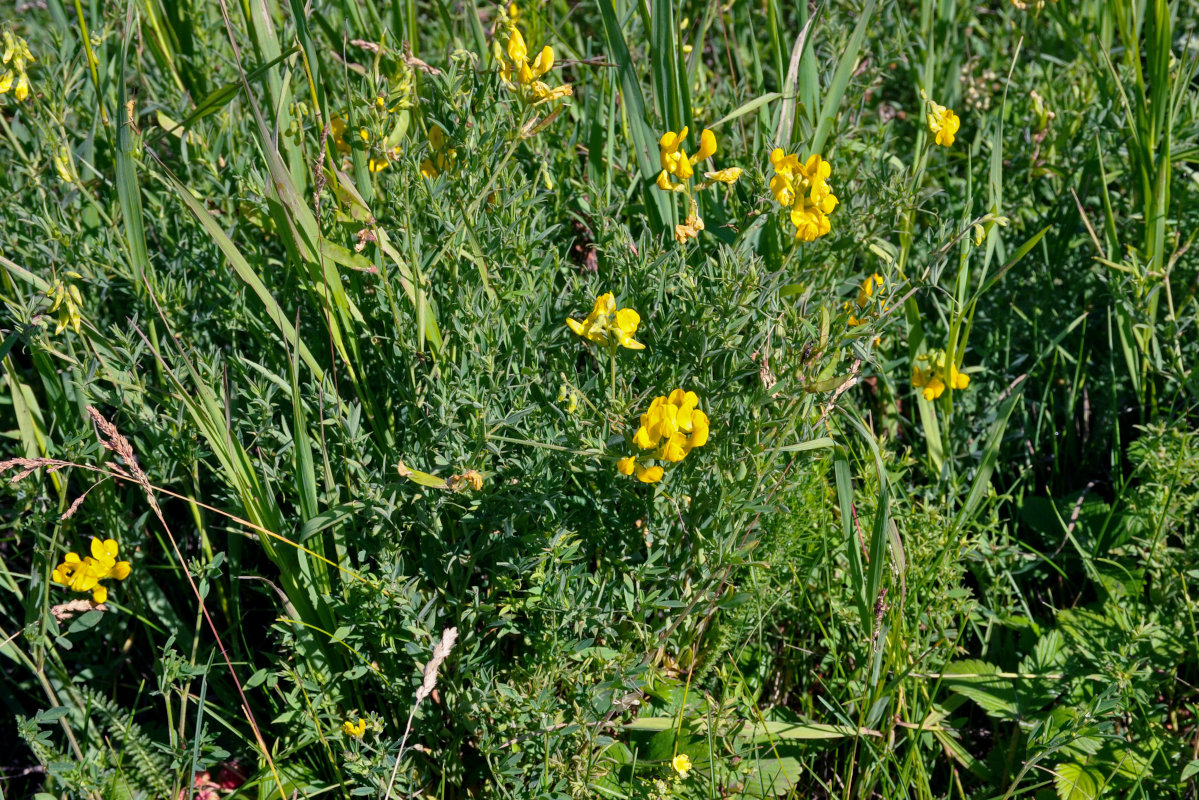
645 143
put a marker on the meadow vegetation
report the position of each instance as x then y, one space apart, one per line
619 398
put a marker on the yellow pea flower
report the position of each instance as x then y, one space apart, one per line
936 376
523 78
665 185
804 188
352 730
16 53
674 158
810 222
727 175
942 123
85 574
649 474
872 282
607 326
671 428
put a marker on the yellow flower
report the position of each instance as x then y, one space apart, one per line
649 474
665 185
607 326
523 78
337 131
681 764
68 303
803 188
935 376
441 158
16 52
871 289
355 731
85 574
625 327
942 123
872 282
671 427
674 158
688 230
727 175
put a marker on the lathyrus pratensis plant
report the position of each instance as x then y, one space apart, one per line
673 425
804 189
678 165
15 58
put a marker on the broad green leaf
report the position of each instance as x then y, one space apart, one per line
980 682
421 478
1077 782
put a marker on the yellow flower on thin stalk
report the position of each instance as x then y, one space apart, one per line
804 188
524 78
607 326
942 122
355 731
933 376
84 574
671 428
676 162
15 56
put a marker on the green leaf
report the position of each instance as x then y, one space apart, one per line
772 776
421 478
85 621
1077 782
811 444
645 144
980 682
764 732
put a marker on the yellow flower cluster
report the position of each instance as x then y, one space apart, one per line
935 375
15 56
84 575
524 78
607 326
355 731
672 427
676 162
67 302
942 123
441 157
868 302
803 188
681 764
